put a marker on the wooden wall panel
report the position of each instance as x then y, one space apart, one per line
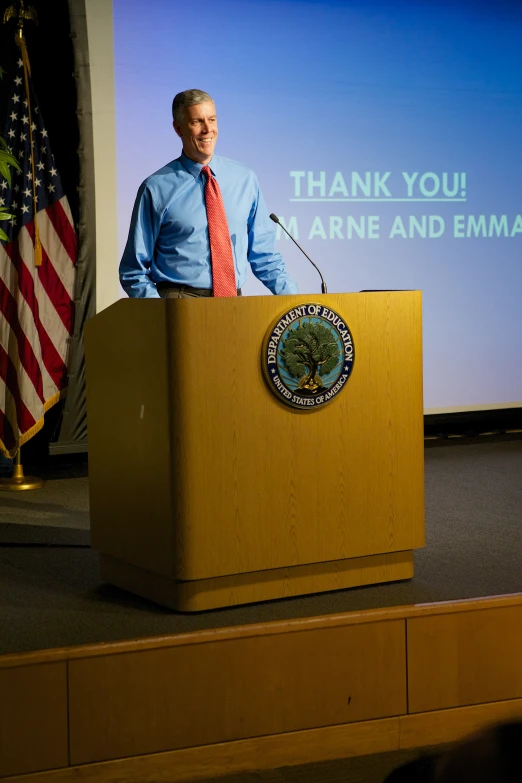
147 702
33 718
464 658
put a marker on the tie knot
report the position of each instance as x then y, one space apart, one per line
206 171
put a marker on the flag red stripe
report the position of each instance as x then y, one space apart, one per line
10 377
27 356
52 360
63 228
6 432
57 293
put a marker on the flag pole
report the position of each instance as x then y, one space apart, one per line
18 481
19 11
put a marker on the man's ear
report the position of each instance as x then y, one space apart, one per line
176 127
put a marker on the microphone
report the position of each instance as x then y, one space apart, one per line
276 220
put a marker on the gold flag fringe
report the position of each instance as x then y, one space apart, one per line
11 453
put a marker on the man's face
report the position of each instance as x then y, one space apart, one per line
198 131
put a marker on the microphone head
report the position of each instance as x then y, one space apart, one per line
274 218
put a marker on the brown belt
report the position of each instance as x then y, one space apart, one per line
189 289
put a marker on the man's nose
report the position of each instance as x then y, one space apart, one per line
206 127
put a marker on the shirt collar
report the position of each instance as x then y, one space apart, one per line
195 168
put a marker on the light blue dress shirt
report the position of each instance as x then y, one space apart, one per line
168 238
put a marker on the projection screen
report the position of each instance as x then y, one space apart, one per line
386 135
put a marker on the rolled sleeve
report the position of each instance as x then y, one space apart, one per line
267 263
135 265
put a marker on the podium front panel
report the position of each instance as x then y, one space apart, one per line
260 485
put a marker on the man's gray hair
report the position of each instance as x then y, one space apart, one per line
185 99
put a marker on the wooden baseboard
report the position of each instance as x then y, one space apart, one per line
203 594
284 750
442 726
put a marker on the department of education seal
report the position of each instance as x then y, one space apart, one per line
308 356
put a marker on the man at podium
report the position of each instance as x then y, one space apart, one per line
201 220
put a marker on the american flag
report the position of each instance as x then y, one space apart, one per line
36 298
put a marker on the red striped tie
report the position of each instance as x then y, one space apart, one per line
223 273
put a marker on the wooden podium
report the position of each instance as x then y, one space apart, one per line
207 491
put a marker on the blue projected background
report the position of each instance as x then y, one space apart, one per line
387 135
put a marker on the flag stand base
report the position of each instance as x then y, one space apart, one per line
18 481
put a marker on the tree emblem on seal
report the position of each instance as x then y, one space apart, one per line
309 352
307 356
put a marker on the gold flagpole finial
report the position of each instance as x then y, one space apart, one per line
21 13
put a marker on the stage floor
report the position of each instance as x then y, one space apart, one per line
51 596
